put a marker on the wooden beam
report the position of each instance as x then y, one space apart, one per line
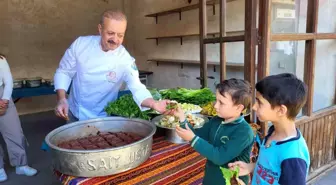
197 62
264 33
292 36
228 33
236 38
250 46
335 94
310 54
302 36
264 36
203 34
222 33
322 36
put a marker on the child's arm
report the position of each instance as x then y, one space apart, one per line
293 172
202 132
231 147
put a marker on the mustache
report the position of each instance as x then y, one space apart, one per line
111 42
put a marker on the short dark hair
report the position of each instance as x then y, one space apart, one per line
284 89
239 90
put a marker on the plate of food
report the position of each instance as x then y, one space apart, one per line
190 108
210 111
170 121
186 107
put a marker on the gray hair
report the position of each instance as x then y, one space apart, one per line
113 14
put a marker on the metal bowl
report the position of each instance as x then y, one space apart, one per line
34 82
170 133
49 82
18 83
100 162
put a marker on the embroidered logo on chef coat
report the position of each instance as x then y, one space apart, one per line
111 76
134 66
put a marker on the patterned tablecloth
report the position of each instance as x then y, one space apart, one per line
168 164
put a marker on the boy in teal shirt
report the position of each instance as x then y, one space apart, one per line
225 138
283 154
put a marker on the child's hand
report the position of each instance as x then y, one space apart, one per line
244 168
240 181
185 134
178 112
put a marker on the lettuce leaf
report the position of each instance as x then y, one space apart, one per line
230 175
192 96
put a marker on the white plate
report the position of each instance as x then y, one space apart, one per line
194 111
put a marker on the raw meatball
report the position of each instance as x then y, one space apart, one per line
91 147
120 144
104 145
77 147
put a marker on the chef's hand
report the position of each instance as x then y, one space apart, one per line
160 106
62 109
244 168
185 134
3 103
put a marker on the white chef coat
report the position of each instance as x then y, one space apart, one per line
96 77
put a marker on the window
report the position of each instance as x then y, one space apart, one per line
289 16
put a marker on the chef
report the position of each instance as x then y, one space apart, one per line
97 66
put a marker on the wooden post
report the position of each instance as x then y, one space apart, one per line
264 35
335 94
222 33
250 46
203 34
310 53
264 38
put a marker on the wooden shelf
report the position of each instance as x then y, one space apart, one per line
185 8
230 33
195 62
283 2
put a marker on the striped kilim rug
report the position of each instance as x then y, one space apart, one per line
168 164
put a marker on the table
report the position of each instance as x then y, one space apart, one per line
168 164
44 89
25 92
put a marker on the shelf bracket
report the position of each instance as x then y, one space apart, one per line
214 68
157 41
181 65
214 9
157 63
180 14
181 40
156 19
